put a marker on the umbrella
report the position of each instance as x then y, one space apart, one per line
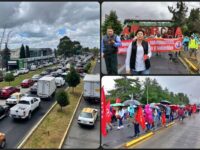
182 106
152 105
117 104
131 102
161 106
165 102
174 107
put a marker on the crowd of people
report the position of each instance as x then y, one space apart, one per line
148 117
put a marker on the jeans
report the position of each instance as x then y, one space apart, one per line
140 72
120 122
137 129
148 126
111 64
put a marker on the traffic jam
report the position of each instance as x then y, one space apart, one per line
21 102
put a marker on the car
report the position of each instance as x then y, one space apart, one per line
23 70
2 140
36 77
54 74
88 116
82 75
59 81
7 91
25 108
14 98
33 88
44 73
16 73
33 67
4 109
39 66
59 71
26 83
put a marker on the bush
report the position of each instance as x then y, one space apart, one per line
62 98
73 78
87 67
9 77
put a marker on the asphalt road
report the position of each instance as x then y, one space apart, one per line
186 135
16 130
84 137
159 65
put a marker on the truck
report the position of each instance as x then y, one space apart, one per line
24 108
91 86
46 87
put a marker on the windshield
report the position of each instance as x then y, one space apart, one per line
26 80
13 97
23 102
86 115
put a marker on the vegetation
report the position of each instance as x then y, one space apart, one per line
22 52
87 67
9 77
73 78
112 20
126 87
62 98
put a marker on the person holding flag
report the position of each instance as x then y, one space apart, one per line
103 113
138 121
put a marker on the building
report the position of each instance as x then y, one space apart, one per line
37 56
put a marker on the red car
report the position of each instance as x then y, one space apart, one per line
7 91
27 83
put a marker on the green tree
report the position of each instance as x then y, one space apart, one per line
124 89
73 78
27 52
194 21
112 20
22 52
65 47
6 56
62 98
179 13
76 47
87 67
9 77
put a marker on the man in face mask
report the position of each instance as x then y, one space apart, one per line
110 44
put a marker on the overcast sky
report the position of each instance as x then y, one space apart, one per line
42 24
143 10
185 84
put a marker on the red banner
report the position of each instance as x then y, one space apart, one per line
108 113
103 112
157 45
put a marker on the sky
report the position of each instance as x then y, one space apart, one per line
42 24
143 10
185 84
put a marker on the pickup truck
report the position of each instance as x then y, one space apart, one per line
24 108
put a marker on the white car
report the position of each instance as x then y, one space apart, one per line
14 98
23 70
33 67
59 81
59 71
88 116
15 73
24 108
36 77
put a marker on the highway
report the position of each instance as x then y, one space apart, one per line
16 130
159 65
84 137
186 135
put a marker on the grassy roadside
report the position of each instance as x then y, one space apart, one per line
51 131
20 78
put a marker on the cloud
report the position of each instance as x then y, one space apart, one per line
144 10
39 24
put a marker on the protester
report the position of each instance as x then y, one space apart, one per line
168 111
163 116
119 115
193 46
181 114
186 43
155 119
148 117
110 44
138 55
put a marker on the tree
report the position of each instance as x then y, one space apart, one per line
9 77
179 13
76 47
112 20
55 52
62 98
194 21
73 78
87 67
65 47
22 52
6 56
27 52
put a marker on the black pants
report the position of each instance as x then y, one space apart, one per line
137 129
111 63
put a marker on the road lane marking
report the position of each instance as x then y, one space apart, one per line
191 65
138 139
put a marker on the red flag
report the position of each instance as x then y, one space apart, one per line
103 112
163 118
108 113
140 117
118 100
